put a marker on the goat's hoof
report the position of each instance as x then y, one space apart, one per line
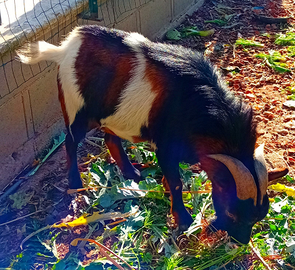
75 183
182 227
184 220
134 174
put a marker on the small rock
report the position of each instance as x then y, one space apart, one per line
269 115
290 104
266 107
283 132
291 152
260 131
290 125
257 33
271 108
250 96
275 102
276 87
258 118
289 117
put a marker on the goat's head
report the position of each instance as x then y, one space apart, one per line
239 193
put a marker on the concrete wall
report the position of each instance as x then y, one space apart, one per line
31 115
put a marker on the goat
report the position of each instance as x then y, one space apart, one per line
139 90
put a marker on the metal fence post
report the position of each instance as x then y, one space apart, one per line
93 7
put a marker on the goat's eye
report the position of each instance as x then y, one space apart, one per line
230 215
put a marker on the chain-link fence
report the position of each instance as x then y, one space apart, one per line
28 20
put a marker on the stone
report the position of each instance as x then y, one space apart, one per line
283 132
290 125
289 104
269 115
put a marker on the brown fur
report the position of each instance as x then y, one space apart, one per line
61 99
123 75
158 82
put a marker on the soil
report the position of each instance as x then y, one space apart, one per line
259 85
256 83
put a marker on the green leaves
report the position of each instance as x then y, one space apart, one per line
290 246
125 190
286 39
246 43
217 21
274 60
174 34
277 234
21 198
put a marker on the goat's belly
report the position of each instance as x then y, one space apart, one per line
129 132
134 139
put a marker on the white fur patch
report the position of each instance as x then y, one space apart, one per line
134 40
136 99
73 99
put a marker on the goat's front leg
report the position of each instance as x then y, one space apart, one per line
170 169
115 146
76 132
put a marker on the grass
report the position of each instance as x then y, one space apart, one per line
145 239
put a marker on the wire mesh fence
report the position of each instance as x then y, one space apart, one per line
50 20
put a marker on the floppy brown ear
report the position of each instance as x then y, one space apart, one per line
277 173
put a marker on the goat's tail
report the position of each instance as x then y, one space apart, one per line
33 53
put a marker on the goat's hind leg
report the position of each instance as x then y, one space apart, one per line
115 146
76 132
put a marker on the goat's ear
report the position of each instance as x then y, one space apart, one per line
277 173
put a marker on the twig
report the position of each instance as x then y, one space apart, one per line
256 252
92 143
271 20
117 222
223 266
91 230
32 170
273 218
71 191
2 224
34 233
289 265
103 248
174 243
110 259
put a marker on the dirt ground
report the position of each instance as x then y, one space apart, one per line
257 84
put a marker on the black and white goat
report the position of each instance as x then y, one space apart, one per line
169 95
